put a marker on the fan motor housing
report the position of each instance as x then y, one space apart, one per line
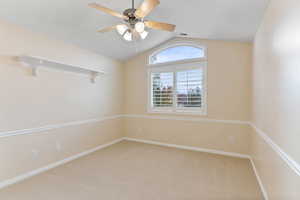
132 19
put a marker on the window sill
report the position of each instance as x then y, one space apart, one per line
178 112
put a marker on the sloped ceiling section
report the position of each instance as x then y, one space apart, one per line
74 22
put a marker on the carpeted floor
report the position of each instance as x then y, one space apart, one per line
136 171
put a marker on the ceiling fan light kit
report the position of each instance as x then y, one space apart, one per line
128 35
122 28
139 27
135 27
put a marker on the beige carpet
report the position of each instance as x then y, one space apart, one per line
136 171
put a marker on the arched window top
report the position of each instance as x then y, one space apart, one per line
177 52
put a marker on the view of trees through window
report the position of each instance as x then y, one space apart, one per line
162 88
188 89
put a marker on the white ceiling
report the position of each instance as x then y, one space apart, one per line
74 22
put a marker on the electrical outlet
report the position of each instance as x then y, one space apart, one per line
231 139
140 130
58 146
35 153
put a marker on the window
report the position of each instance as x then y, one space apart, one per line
189 86
177 53
162 89
178 87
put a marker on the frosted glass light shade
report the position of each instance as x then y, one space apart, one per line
128 36
144 34
139 27
121 29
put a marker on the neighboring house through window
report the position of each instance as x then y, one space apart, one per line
177 80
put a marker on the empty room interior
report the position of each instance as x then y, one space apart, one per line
150 100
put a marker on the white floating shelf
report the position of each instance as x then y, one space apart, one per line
36 62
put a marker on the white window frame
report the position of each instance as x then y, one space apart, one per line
175 66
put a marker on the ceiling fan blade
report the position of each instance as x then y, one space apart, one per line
160 26
107 29
146 7
107 10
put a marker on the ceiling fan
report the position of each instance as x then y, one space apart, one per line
135 24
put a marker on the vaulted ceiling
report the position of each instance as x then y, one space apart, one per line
74 22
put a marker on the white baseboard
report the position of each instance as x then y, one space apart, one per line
53 165
262 188
224 153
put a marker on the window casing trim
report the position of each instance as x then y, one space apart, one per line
176 68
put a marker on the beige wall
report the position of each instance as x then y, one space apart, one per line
53 97
210 135
276 96
229 66
24 153
56 97
279 181
229 98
